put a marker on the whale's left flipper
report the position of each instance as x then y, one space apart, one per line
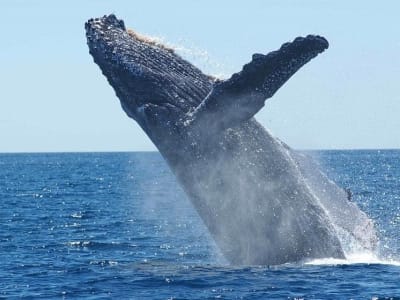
240 97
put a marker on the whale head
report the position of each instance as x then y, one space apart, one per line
113 50
144 74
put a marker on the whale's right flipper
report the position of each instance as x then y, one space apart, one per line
240 97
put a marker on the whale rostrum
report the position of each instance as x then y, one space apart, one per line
262 202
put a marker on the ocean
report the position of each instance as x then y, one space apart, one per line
117 225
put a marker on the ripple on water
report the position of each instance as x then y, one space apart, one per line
117 225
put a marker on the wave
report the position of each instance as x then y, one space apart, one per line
100 245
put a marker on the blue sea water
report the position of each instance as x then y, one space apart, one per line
117 225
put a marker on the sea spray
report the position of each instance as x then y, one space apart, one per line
190 51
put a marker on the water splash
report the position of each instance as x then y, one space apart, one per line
355 258
202 59
198 56
352 172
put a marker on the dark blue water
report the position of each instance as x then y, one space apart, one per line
117 225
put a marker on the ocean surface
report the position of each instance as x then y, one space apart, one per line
117 225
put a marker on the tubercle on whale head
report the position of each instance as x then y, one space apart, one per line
110 20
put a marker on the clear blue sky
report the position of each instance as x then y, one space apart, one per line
54 98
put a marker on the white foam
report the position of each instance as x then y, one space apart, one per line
355 258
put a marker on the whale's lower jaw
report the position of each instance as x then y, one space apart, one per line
246 185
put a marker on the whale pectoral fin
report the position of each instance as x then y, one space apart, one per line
240 97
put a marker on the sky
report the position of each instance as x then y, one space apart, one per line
54 98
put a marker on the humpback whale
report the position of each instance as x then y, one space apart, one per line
263 203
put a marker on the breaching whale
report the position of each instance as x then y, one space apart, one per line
262 202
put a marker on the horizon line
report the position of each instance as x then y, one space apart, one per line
156 151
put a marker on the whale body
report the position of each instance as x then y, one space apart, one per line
262 202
